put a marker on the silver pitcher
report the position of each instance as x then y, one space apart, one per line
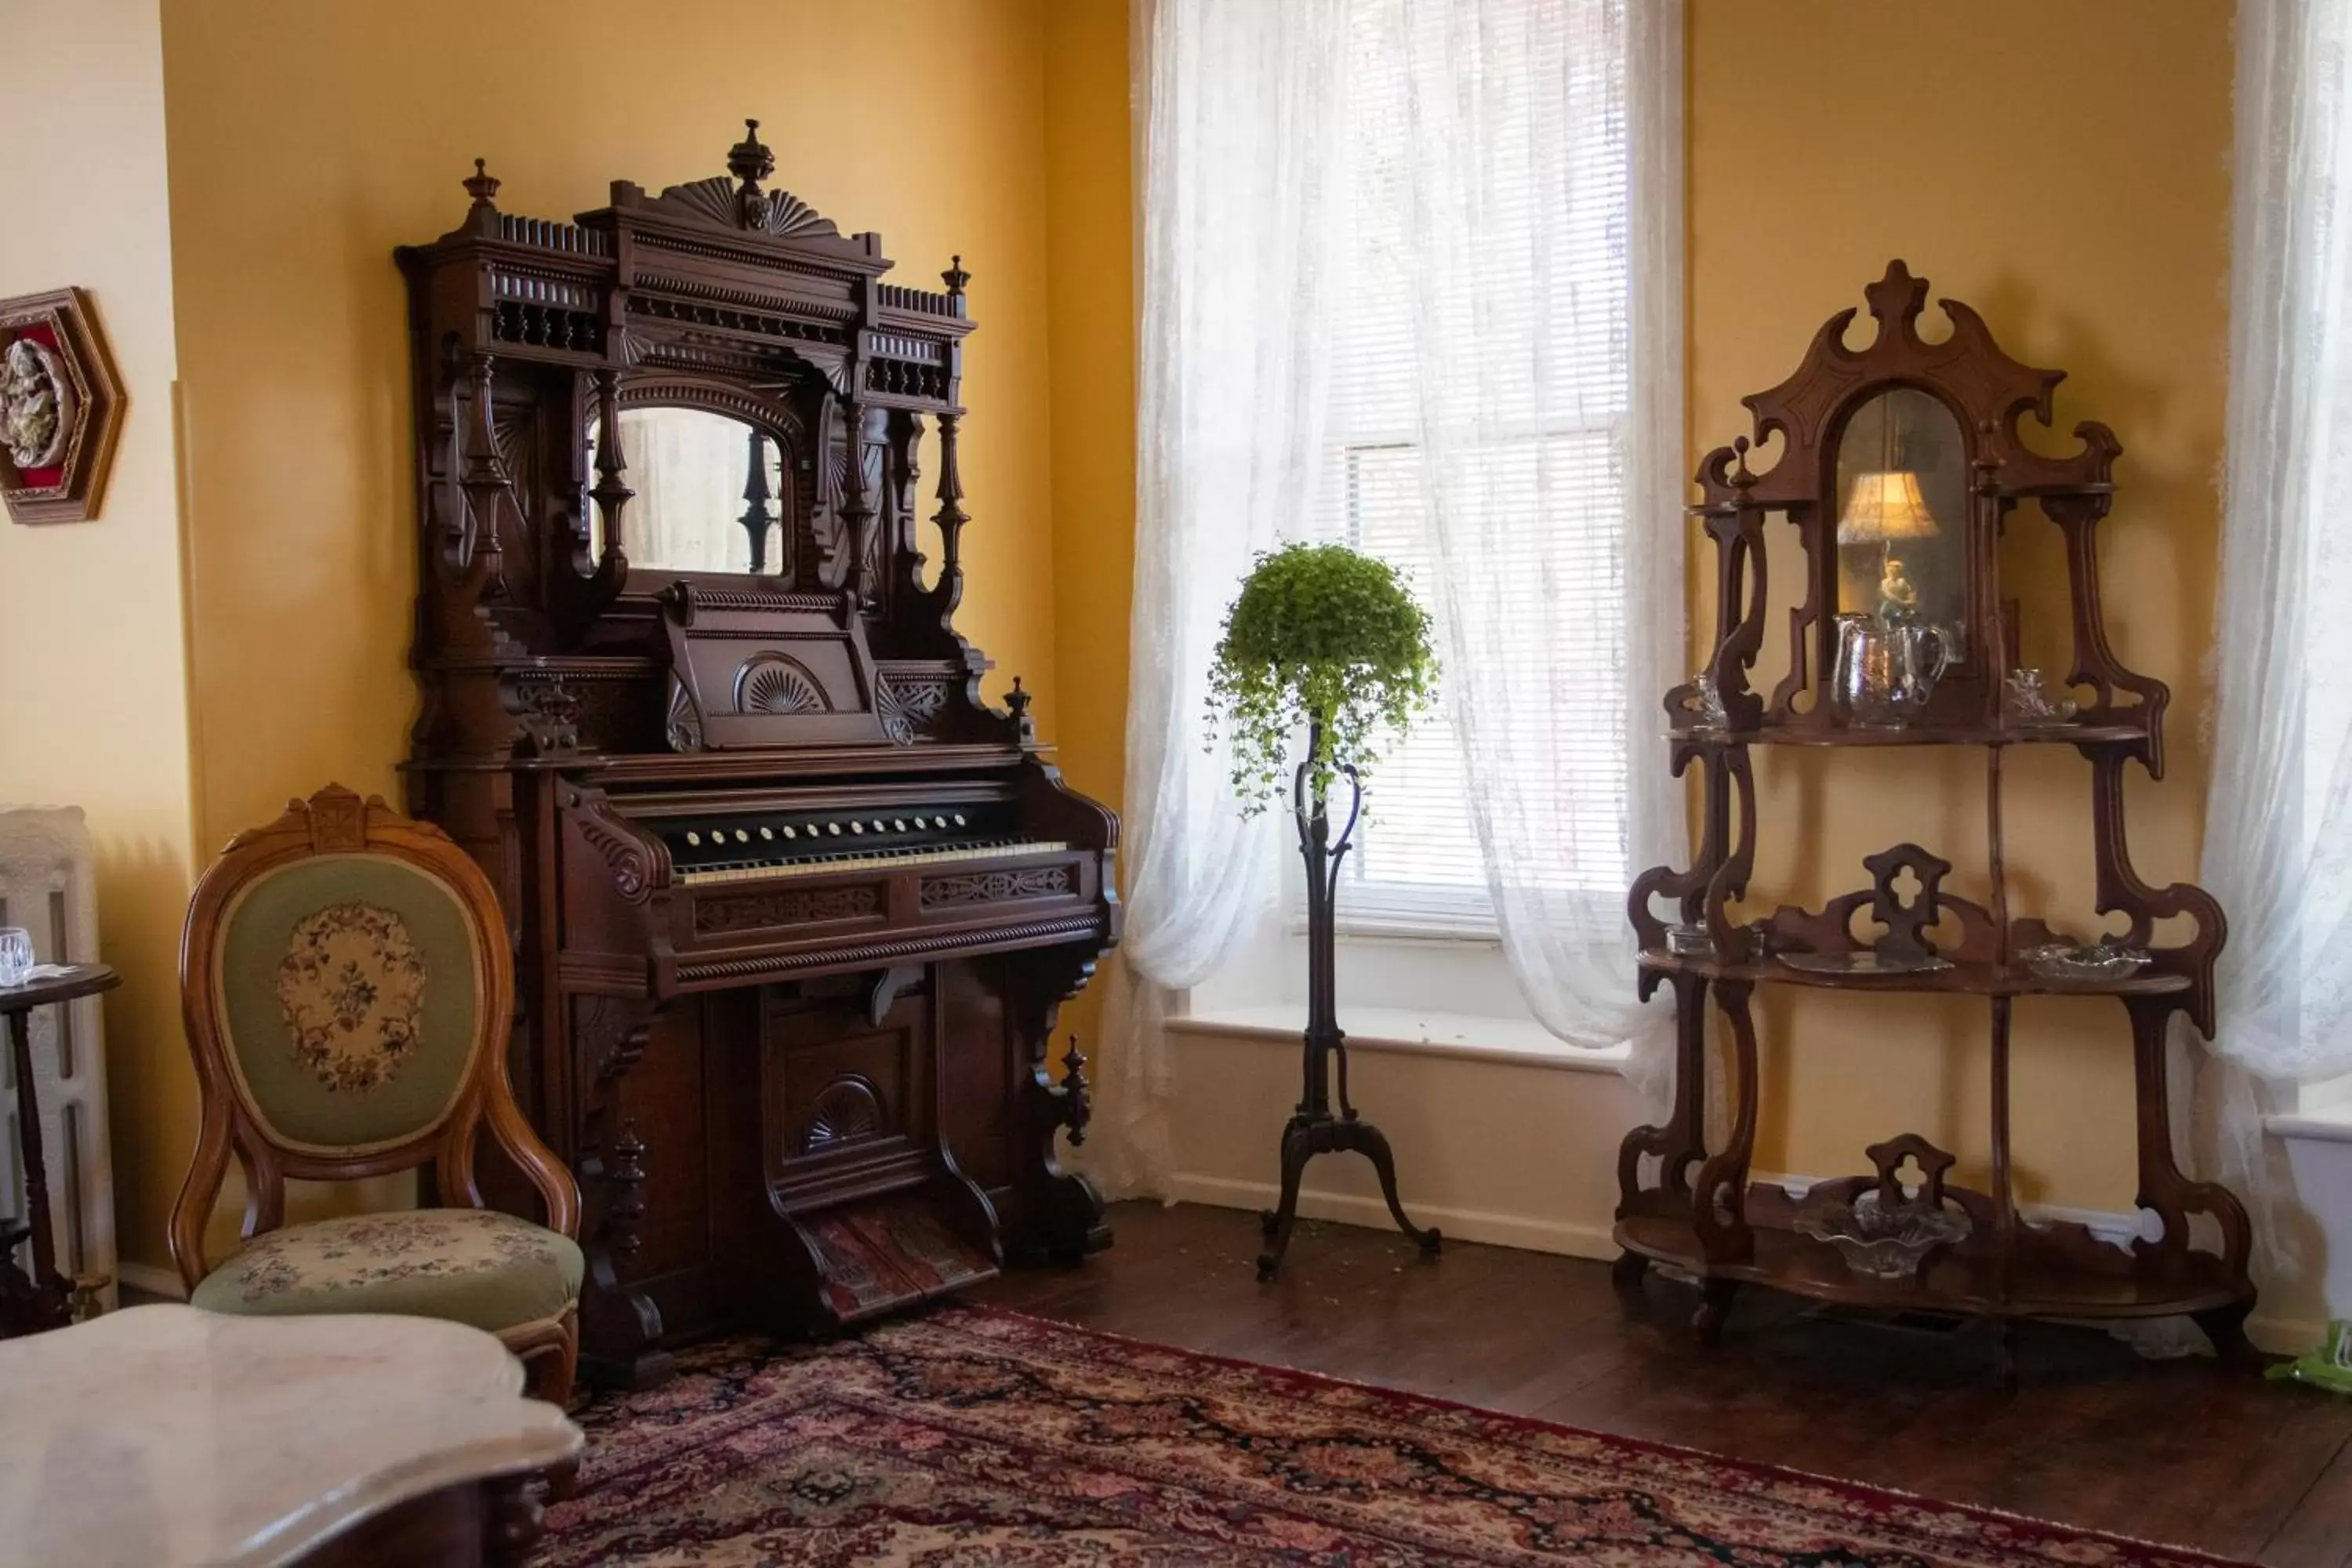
1886 669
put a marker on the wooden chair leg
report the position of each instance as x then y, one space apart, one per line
554 1370
551 1359
552 1373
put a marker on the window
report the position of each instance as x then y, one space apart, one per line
1557 433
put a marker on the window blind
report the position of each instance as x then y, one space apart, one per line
1548 443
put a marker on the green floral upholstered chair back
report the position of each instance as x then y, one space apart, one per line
348 991
347 981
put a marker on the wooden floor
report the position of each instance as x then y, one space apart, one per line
2178 1452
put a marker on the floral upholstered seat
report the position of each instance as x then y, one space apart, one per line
471 1266
349 987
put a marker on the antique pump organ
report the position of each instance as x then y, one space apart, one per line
794 908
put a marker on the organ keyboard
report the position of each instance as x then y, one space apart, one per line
743 847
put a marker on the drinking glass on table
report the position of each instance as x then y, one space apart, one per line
16 954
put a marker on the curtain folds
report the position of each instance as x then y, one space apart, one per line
1549 347
2278 833
1547 375
1241 104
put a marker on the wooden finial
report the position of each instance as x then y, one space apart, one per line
750 160
956 278
1018 701
482 184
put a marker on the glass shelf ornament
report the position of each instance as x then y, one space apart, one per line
1883 1241
2027 701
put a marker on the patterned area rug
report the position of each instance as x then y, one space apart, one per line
974 1437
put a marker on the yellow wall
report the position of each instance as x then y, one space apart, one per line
2062 166
1090 314
308 140
93 690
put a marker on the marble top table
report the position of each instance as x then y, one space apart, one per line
162 1435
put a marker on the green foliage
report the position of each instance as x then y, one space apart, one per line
1320 635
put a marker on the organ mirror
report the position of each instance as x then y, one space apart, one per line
711 493
1902 520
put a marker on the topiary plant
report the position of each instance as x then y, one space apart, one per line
1328 638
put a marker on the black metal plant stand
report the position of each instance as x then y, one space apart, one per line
1313 1128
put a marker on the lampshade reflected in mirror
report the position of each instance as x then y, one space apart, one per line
1901 492
1882 507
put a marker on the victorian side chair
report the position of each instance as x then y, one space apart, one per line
348 988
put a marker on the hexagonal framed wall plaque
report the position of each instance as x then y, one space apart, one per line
61 406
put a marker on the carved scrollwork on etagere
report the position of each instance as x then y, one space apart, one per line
2121 890
1737 527
2095 663
1715 1225
1968 371
624 1323
1721 770
1718 1198
2174 1197
1729 882
1678 1143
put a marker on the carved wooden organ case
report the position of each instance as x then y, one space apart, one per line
1901 466
794 907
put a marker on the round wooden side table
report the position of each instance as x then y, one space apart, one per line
42 1298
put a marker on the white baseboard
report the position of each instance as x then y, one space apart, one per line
1524 1231
2284 1336
154 1281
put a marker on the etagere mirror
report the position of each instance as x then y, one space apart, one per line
1901 465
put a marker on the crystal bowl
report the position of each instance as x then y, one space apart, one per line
1880 1242
2057 961
1689 940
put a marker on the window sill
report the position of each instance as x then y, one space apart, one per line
1402 933
1519 1041
2329 1124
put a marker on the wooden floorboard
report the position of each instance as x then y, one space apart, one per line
2181 1452
2318 1533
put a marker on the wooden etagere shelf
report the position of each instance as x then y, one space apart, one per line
1934 427
2085 736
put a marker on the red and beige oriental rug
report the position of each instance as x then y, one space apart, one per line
974 1437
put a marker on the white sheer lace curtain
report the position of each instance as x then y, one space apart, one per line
1549 347
1247 177
1241 102
2278 832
